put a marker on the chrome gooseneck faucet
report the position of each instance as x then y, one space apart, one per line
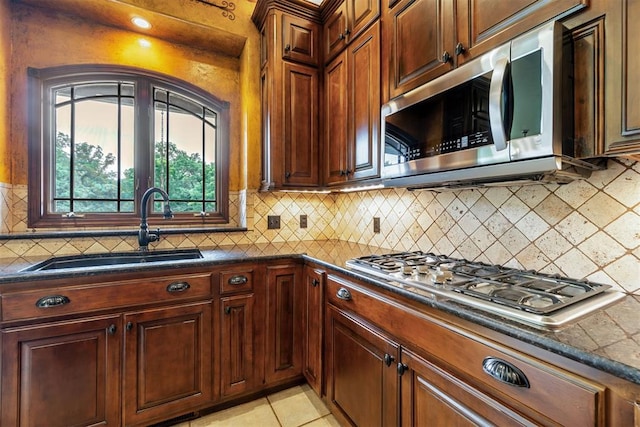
144 236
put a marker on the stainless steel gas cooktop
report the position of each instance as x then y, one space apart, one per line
537 299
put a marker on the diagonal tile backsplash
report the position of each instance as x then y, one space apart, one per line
586 229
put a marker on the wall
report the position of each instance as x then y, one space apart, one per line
586 229
5 101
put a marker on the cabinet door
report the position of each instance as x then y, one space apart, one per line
312 333
364 92
484 24
284 323
236 346
362 381
62 374
335 39
337 109
361 13
417 35
623 86
300 125
433 397
300 40
168 365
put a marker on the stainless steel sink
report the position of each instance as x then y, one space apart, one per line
116 258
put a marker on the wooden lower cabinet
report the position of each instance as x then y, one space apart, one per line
284 322
313 293
362 381
433 397
236 344
62 374
167 362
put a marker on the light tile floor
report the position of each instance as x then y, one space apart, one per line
293 407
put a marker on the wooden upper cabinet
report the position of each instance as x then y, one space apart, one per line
622 84
484 24
423 39
336 110
301 121
300 40
335 39
346 23
418 37
352 114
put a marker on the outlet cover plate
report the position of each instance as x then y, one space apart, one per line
273 222
303 221
376 224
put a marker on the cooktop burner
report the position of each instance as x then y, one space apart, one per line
535 298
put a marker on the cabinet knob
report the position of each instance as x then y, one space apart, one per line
287 175
347 31
315 282
112 329
504 372
287 48
227 310
178 287
446 57
402 368
344 294
388 359
129 326
459 49
341 36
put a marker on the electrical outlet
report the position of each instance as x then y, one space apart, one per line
273 222
376 224
303 221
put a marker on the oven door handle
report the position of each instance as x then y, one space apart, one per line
495 104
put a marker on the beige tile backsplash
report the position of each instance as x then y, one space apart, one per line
586 229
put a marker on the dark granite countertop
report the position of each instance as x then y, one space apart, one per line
608 340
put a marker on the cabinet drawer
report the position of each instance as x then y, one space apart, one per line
236 280
473 357
64 300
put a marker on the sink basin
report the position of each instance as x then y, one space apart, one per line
115 258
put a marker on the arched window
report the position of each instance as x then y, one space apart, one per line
102 135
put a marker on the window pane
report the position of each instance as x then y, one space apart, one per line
62 155
96 150
177 206
127 89
210 117
185 104
62 95
211 207
127 142
185 157
95 206
61 206
160 145
210 162
127 207
95 89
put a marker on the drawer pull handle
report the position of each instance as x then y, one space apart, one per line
505 372
52 301
178 287
240 279
344 294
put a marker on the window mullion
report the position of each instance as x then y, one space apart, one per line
143 144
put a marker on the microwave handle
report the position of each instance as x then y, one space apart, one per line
495 104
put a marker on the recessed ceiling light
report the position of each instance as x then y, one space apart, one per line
141 22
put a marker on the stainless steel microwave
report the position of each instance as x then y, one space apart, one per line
496 119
